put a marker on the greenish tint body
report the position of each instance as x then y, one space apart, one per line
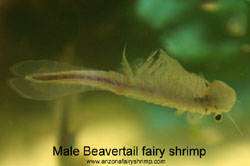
160 80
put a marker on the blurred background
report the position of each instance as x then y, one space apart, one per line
208 37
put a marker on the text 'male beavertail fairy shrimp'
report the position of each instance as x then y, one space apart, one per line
159 80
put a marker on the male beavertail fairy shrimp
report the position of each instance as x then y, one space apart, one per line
160 80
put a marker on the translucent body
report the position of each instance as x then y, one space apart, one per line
160 80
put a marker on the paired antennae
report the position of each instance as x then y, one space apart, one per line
234 123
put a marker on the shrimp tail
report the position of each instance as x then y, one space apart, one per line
35 90
28 88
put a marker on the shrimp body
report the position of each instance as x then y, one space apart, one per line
160 80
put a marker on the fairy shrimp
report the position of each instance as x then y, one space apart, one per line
159 80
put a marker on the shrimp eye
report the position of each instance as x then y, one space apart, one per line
218 117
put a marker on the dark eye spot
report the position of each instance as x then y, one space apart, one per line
218 117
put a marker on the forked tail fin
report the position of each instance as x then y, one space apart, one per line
234 123
30 67
38 90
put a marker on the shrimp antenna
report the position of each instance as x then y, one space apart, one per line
234 123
